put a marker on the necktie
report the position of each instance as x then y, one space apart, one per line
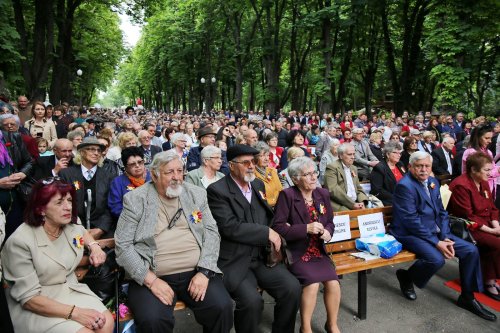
90 174
448 162
426 188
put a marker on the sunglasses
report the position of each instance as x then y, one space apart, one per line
245 163
174 219
50 180
136 164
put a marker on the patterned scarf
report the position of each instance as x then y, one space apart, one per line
4 153
136 182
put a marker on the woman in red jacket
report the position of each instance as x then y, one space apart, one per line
471 199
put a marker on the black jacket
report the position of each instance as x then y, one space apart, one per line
383 182
100 216
243 227
44 165
23 162
439 165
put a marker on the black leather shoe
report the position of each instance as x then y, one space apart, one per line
476 308
493 296
406 284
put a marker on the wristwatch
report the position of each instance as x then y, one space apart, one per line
208 273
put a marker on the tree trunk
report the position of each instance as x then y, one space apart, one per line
35 66
63 70
324 101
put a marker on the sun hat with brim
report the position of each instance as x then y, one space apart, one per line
90 141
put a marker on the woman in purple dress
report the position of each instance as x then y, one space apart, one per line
303 217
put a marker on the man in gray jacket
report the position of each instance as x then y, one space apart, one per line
168 242
364 159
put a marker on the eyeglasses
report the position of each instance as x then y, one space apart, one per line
93 150
136 164
50 180
246 163
310 174
174 219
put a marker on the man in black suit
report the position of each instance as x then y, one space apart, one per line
282 134
293 118
49 166
88 177
442 158
244 219
149 150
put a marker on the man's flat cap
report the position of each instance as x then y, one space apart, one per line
238 150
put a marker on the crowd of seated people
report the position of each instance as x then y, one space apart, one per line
183 211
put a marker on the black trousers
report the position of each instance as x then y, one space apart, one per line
277 282
5 322
214 313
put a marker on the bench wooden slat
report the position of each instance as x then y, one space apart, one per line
360 264
340 246
355 213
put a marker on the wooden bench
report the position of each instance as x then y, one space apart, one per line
346 263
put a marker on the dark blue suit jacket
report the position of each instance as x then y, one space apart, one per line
415 214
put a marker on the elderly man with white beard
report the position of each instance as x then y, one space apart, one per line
168 242
238 203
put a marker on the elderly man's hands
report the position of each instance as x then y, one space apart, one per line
198 287
275 238
446 248
162 291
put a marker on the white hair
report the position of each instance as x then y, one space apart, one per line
419 155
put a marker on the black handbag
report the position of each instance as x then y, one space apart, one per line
101 279
459 228
24 188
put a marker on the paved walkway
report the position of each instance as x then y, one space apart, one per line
388 311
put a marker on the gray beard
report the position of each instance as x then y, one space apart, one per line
249 177
172 192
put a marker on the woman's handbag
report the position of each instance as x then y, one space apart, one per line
459 227
24 188
101 279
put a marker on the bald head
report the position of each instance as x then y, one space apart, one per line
63 148
251 137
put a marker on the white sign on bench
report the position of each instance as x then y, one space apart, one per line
371 224
342 228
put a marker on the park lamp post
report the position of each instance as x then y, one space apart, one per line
79 72
208 92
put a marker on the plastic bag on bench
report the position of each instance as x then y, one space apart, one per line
382 245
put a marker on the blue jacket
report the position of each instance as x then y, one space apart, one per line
415 214
120 186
